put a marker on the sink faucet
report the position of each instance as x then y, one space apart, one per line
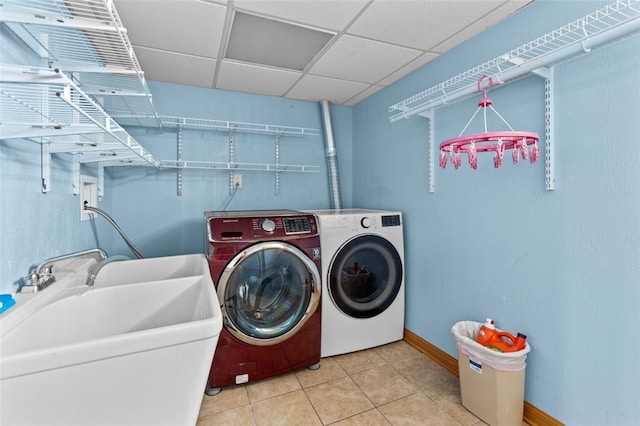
38 280
93 271
43 276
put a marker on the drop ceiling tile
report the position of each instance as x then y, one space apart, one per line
171 67
274 43
420 24
183 26
178 41
477 27
363 95
327 14
255 79
411 66
315 88
358 59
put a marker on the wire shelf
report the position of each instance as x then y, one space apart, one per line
42 103
86 39
609 23
181 164
93 86
233 126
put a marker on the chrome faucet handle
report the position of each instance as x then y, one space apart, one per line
31 278
36 282
46 270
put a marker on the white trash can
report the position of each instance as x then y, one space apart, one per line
491 383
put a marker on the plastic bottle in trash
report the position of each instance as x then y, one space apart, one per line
486 332
500 341
521 342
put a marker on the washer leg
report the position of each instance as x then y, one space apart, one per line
314 366
212 391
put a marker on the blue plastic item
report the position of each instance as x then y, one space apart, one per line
6 301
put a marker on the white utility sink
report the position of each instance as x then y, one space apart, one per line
133 349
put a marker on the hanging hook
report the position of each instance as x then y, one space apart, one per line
444 96
586 36
485 102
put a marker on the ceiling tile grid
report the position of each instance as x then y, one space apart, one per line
363 45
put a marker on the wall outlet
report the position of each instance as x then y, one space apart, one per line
89 193
237 181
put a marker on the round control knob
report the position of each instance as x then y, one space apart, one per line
365 222
268 225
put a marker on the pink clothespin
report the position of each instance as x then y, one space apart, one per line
524 151
497 159
457 160
535 153
473 158
443 159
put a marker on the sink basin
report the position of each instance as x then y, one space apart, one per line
144 270
135 348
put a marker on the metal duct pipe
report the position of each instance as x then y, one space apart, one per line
332 158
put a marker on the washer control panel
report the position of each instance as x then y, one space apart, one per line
296 225
247 228
268 225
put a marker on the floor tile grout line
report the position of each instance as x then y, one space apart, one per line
391 359
311 402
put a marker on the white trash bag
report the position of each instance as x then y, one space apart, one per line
466 332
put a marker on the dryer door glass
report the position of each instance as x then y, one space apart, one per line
365 276
268 291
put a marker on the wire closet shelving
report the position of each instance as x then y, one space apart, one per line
88 42
538 57
91 86
231 128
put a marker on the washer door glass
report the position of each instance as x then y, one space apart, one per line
365 276
267 292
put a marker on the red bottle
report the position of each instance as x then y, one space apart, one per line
498 340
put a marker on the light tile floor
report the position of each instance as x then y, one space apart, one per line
393 384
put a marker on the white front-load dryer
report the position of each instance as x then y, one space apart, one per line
362 279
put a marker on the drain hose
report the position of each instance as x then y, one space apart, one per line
115 225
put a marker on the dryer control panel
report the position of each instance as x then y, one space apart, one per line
391 220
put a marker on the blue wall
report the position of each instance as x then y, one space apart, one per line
145 201
560 266
34 225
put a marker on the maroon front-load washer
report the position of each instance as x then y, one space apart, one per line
266 268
